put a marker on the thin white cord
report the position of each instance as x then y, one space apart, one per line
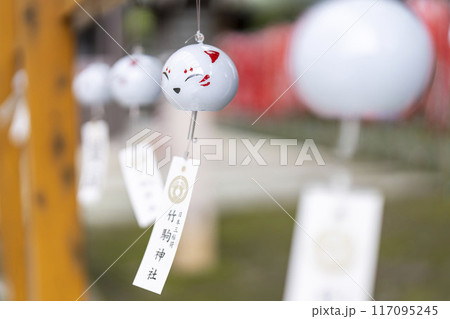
198 15
199 37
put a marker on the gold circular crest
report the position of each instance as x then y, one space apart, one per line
178 189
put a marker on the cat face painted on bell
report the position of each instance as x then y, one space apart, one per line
199 77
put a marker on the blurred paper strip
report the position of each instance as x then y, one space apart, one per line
144 189
335 245
94 161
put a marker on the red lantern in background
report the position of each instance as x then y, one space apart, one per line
436 16
260 59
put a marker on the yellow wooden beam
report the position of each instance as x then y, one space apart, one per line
11 224
68 7
56 260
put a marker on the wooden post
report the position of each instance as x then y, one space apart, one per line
56 258
11 224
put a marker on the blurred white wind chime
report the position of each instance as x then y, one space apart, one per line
350 72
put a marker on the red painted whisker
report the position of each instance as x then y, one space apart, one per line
205 78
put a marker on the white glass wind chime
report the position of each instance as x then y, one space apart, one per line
197 77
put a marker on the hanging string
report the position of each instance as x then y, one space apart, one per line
199 37
198 16
97 112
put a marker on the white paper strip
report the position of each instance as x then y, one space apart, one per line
160 252
347 225
94 161
145 189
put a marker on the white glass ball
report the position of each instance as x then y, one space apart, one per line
90 86
199 77
360 61
135 80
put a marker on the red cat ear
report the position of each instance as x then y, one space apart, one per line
214 55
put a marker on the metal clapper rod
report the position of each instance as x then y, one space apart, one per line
191 133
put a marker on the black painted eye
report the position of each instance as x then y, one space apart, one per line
167 76
192 76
